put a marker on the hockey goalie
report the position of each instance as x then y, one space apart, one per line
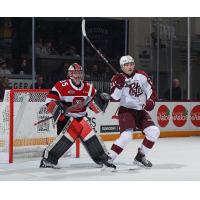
74 95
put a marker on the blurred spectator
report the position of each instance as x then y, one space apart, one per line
4 84
48 49
92 74
6 28
22 68
96 74
4 70
39 47
107 75
40 82
95 71
71 51
176 91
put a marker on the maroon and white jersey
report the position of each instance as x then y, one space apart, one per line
137 89
68 94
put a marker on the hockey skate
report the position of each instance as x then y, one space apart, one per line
108 163
141 160
99 165
46 164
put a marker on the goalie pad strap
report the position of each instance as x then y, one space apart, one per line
63 141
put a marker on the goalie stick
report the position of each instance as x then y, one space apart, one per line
87 100
92 45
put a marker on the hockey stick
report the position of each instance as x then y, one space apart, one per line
87 100
99 53
41 121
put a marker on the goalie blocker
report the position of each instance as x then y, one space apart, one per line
56 109
76 128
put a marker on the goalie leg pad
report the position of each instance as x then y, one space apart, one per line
63 141
92 143
56 149
95 149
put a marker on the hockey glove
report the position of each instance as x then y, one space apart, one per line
149 105
100 102
57 110
118 80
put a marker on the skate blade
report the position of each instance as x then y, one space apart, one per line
99 166
108 169
119 168
126 168
50 167
139 164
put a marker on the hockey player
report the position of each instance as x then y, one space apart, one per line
67 102
137 95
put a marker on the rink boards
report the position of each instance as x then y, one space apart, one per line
175 119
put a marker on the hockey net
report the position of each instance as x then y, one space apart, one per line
19 138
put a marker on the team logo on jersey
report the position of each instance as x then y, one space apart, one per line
78 100
134 89
71 92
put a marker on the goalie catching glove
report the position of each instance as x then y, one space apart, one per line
100 102
57 110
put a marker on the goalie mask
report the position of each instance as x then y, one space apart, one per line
75 72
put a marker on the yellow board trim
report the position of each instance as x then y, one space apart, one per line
163 134
107 137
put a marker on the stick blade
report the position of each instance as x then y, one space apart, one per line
83 28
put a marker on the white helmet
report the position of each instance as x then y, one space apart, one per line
126 59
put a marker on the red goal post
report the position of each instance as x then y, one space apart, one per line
20 109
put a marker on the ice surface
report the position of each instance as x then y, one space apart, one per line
173 159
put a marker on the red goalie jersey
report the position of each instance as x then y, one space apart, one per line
69 94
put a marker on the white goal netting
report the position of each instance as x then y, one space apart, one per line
19 137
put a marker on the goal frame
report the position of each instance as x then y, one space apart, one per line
11 119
